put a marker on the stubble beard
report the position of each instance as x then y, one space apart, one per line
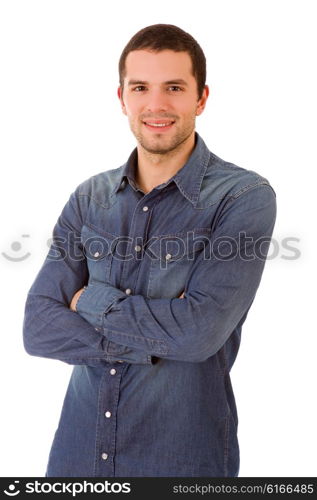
159 145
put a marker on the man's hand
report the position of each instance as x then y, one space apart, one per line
75 298
79 292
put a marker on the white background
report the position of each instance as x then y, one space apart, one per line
61 123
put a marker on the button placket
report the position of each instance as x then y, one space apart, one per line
107 414
138 234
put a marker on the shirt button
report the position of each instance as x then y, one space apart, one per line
108 414
168 256
104 456
128 291
96 254
137 248
145 209
113 371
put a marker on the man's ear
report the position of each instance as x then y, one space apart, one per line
120 95
202 101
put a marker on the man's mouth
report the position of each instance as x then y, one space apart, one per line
159 125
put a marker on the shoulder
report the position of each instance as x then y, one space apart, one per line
100 187
224 179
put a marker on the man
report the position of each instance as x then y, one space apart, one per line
151 274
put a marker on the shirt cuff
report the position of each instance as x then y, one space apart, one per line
123 354
96 300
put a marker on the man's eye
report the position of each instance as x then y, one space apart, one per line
139 88
175 88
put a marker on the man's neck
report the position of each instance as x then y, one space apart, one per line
155 169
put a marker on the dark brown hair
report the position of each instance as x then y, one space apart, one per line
167 36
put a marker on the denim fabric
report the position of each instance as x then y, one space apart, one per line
150 393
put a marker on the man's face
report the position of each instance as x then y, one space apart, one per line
160 98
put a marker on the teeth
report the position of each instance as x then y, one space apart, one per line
159 124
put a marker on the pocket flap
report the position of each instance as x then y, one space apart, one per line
171 248
97 245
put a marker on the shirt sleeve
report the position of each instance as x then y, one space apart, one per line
219 290
50 328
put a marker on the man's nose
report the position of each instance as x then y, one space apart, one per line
157 102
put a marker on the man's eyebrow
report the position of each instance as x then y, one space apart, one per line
137 82
177 81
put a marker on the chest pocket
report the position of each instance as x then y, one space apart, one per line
171 258
99 250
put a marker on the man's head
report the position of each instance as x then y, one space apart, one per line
160 37
162 86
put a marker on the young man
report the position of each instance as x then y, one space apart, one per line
151 274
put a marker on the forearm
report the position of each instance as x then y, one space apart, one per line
190 329
52 330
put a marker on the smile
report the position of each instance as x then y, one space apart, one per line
159 125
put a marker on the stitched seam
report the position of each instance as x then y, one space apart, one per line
235 195
200 230
226 447
261 181
100 231
144 340
196 188
250 186
227 423
97 201
98 424
203 173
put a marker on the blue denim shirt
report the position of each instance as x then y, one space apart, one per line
150 392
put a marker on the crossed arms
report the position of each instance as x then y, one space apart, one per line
109 325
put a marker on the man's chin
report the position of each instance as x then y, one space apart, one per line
160 145
157 146
156 150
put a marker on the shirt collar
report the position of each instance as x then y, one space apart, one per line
188 179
